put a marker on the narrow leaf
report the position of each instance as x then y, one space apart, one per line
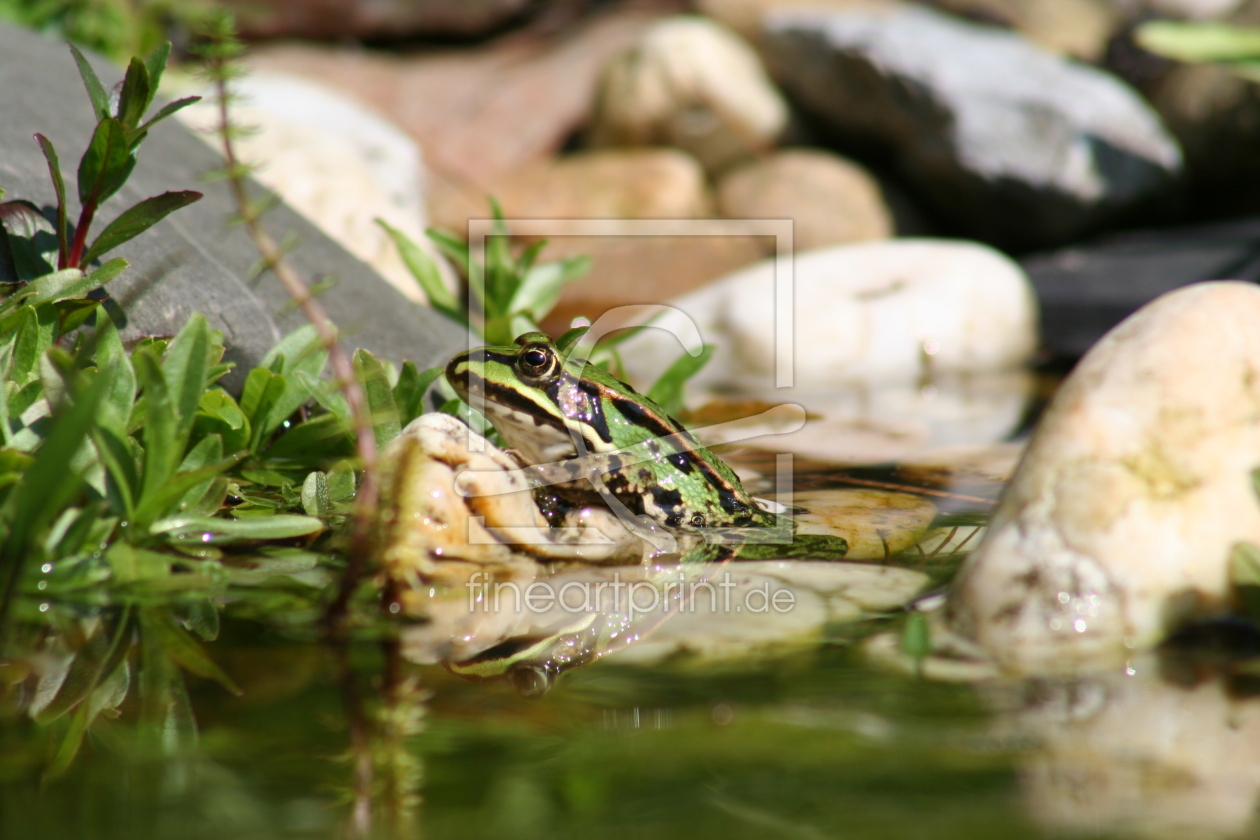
668 390
137 220
105 165
166 110
59 186
155 64
135 96
425 271
570 337
95 90
380 398
215 529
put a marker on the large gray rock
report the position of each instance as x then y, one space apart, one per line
1011 143
194 260
1086 289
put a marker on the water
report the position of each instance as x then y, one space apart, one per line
807 740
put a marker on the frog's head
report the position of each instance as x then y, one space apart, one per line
518 388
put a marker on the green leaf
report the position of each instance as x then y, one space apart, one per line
186 366
155 64
113 362
161 426
59 187
453 249
135 221
570 337
916 636
316 500
540 290
411 388
95 90
181 647
164 502
380 398
300 349
263 390
135 96
1199 42
312 443
32 242
115 453
35 333
165 111
218 414
427 276
214 529
50 483
105 165
668 390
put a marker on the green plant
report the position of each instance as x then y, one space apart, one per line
1234 47
117 29
506 296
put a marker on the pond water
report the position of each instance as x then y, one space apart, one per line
804 740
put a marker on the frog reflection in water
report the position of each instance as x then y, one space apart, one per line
598 441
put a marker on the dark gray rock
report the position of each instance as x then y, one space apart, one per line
1010 143
1086 290
194 260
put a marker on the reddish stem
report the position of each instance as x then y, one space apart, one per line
80 235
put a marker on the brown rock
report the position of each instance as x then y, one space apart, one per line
1079 28
647 269
604 193
610 184
476 112
831 200
745 16
694 84
338 19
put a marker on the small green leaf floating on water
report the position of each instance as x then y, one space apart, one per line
217 530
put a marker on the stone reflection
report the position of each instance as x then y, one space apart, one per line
1156 750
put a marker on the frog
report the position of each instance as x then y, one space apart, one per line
591 436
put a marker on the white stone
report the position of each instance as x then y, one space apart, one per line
880 312
692 83
332 159
861 423
1121 516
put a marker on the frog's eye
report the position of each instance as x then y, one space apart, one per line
535 362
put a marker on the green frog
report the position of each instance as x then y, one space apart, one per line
592 436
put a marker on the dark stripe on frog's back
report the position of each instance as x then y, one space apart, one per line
647 415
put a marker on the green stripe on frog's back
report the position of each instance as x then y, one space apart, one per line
536 399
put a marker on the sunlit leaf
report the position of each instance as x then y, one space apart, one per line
136 220
380 397
424 269
215 529
95 90
105 166
59 187
668 390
